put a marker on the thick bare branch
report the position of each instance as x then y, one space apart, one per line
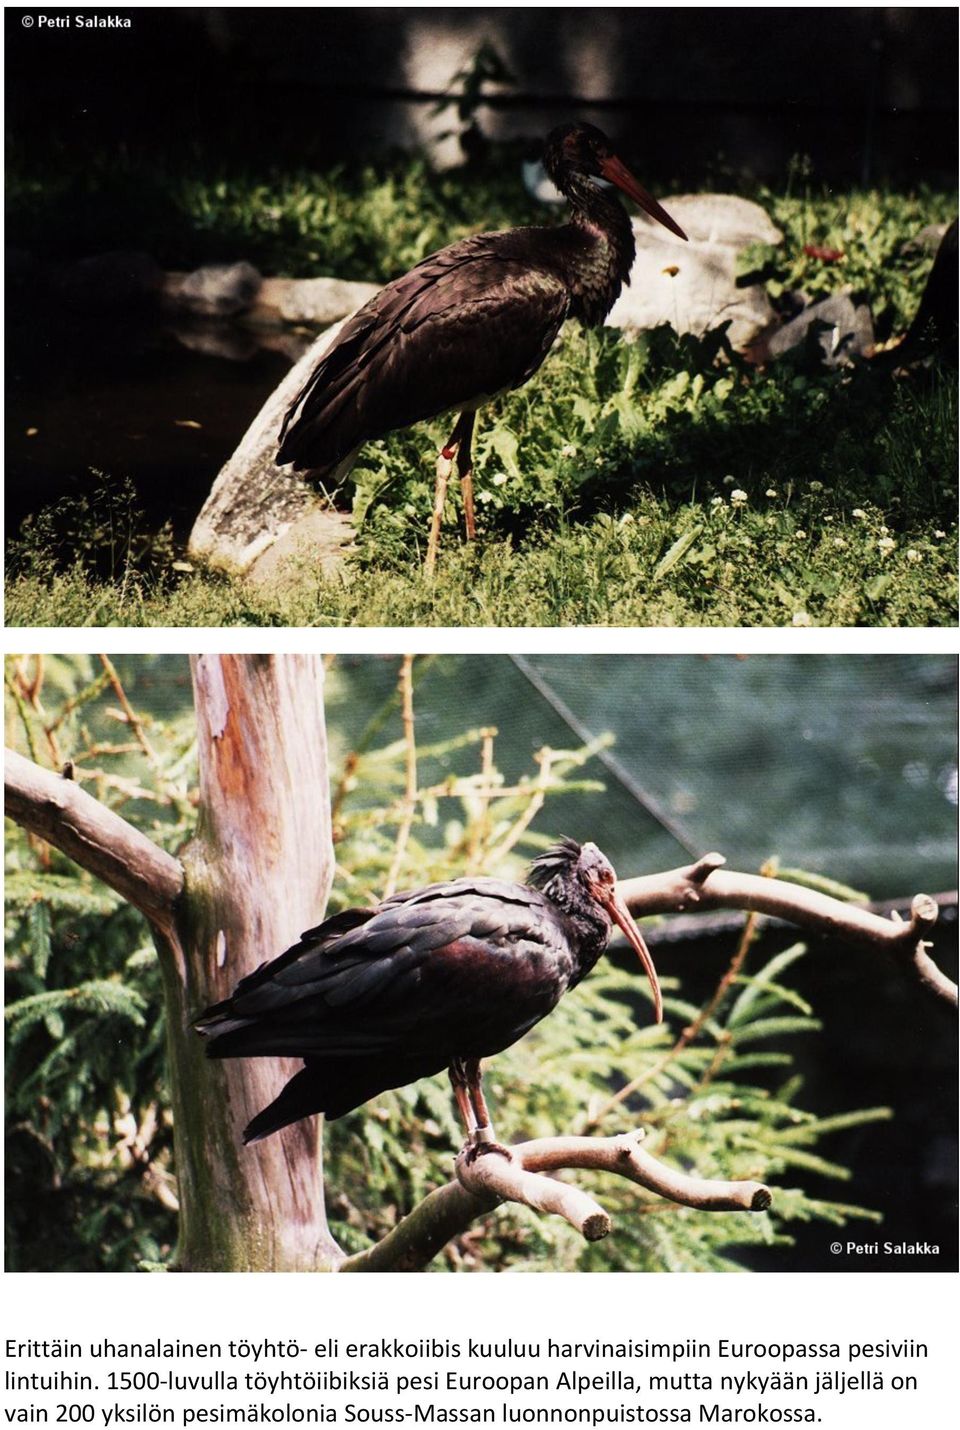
100 841
491 1180
912 947
706 885
424 1232
626 1157
511 1180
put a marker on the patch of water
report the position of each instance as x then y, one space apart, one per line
162 402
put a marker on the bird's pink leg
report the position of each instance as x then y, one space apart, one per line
484 1139
458 1081
459 446
464 432
444 462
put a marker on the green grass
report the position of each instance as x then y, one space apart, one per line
365 221
808 555
660 482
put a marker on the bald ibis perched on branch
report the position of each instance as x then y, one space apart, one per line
436 978
473 320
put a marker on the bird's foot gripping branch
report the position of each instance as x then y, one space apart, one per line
523 1179
484 1183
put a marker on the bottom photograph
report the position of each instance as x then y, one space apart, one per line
467 963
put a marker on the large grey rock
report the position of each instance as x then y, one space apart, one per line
934 327
254 503
718 218
693 285
928 239
314 300
317 541
214 291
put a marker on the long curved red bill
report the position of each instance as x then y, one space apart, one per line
621 915
617 173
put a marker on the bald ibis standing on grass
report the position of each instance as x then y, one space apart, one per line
436 978
473 320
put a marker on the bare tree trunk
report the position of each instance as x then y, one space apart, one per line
257 874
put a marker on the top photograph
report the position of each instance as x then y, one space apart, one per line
492 317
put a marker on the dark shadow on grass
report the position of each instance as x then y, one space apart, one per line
869 436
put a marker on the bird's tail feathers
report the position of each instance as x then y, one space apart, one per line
327 432
302 1097
251 1038
325 415
333 1086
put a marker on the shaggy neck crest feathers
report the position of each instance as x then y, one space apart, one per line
560 859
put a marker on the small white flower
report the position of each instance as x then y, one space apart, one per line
737 497
500 480
598 461
858 513
801 618
568 450
885 545
884 531
799 536
816 486
485 497
716 501
839 543
770 492
939 535
913 555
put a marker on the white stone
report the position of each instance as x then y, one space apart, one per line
254 502
693 285
314 300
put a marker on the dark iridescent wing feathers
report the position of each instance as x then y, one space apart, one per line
467 322
366 978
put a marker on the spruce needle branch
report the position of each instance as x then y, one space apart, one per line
130 715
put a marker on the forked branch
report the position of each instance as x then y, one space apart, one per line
707 885
487 1181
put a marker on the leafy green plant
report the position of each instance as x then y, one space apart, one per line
870 232
98 534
